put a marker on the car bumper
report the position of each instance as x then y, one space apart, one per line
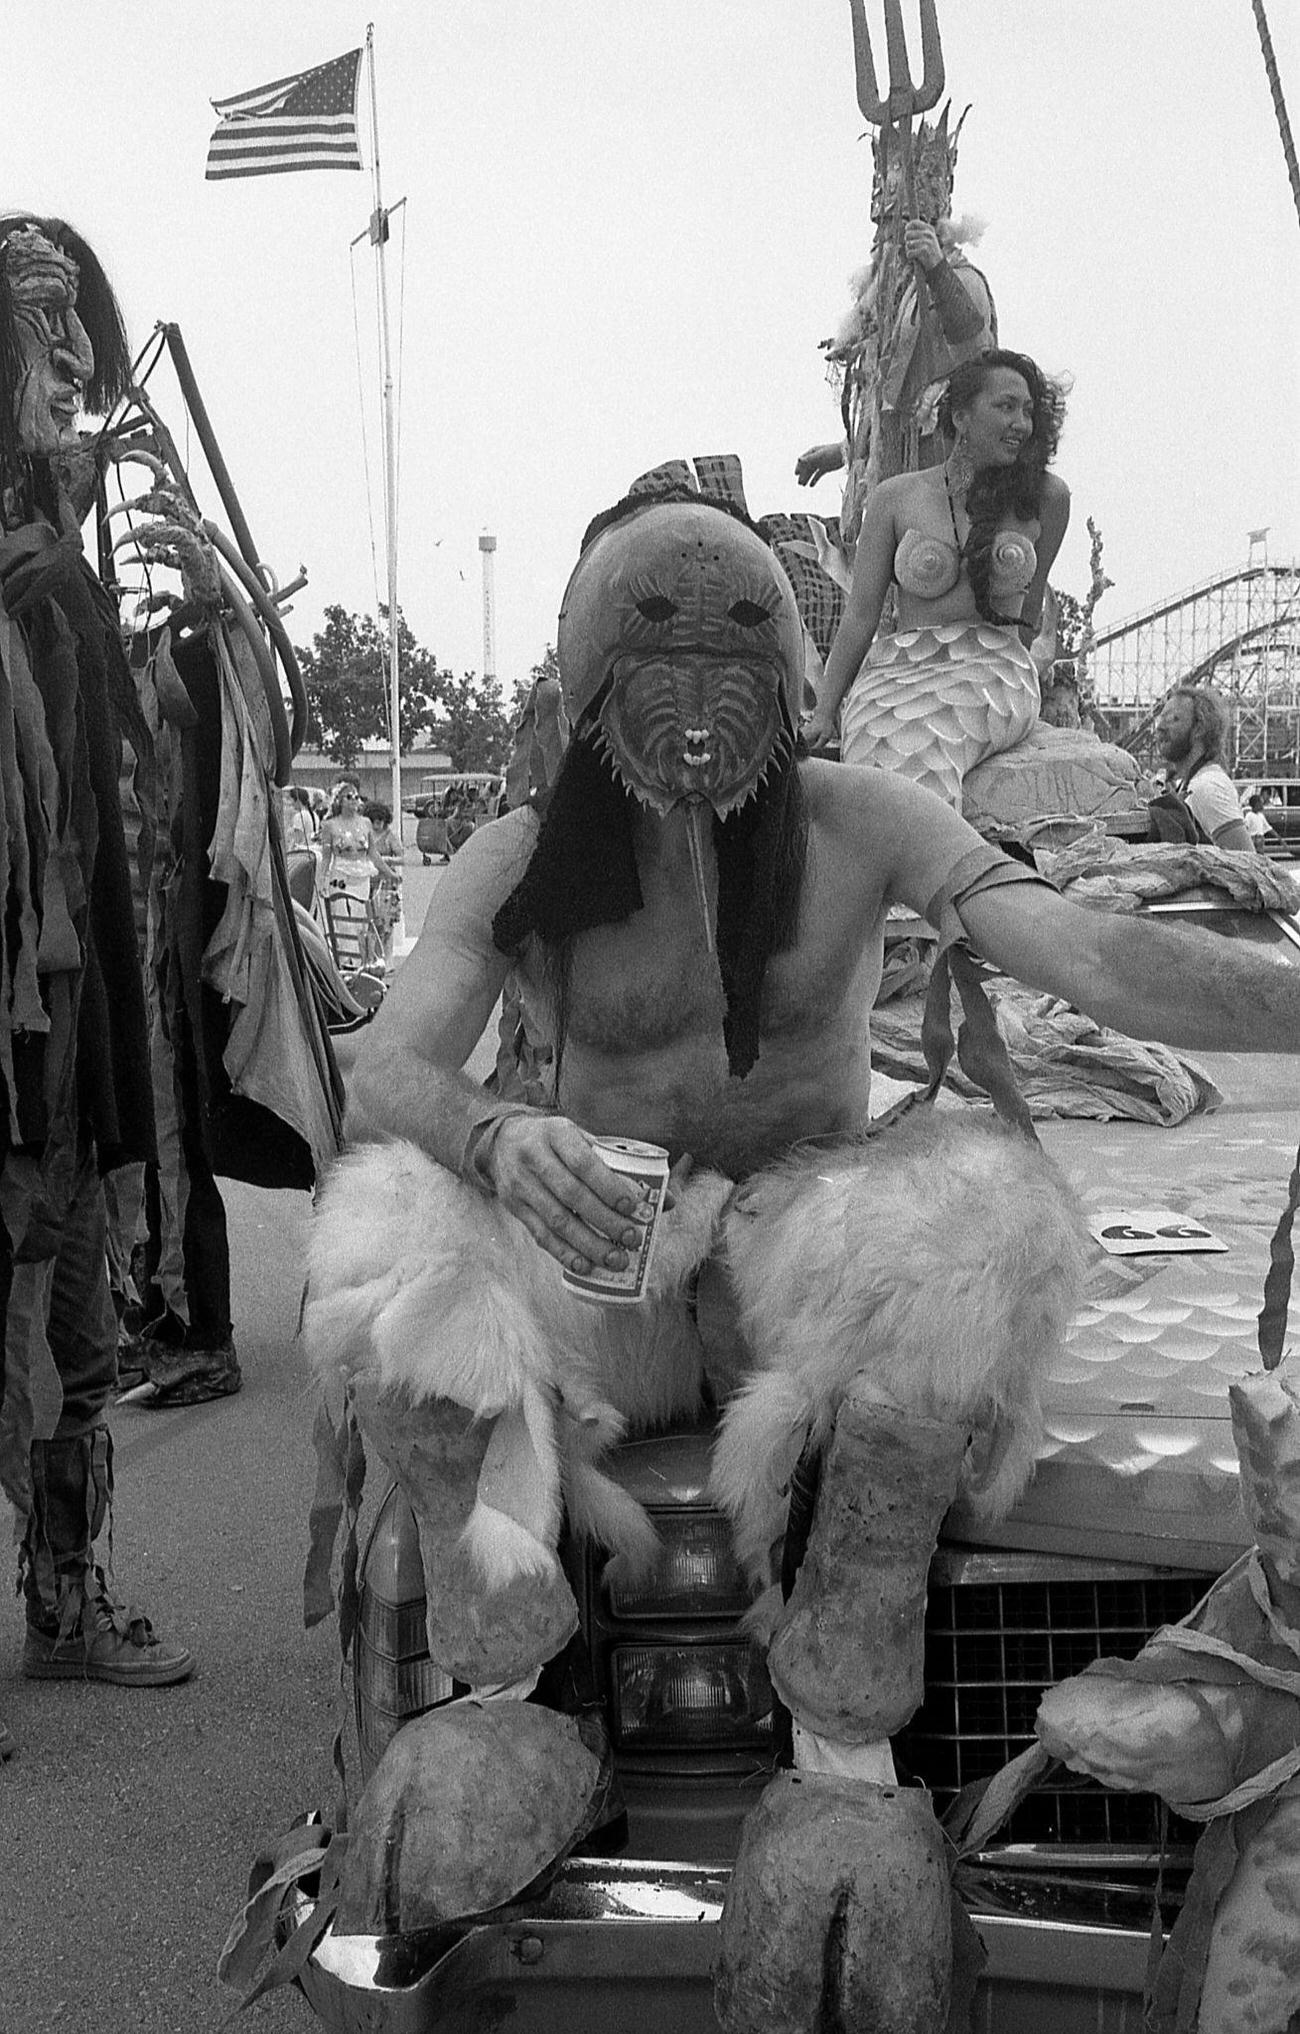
630 1943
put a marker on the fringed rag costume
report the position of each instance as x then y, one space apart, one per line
74 1064
922 1274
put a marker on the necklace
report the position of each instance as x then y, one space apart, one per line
952 508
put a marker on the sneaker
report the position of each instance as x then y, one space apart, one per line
121 1646
189 1376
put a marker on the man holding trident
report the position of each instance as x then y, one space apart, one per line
920 306
696 922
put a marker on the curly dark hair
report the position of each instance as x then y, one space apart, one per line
1211 720
999 491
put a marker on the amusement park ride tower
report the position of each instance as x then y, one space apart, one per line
488 546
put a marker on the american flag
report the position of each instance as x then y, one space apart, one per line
308 121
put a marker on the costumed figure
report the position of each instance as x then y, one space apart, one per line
920 308
244 1079
696 923
731 1027
74 1055
1208 1717
967 547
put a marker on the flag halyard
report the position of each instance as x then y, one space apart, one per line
306 121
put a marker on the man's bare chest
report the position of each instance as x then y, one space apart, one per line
652 983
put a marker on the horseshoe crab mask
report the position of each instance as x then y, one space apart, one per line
679 634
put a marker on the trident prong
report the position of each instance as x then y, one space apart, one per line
905 99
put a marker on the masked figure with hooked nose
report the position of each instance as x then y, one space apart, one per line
74 1061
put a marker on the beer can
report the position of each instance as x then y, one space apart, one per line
644 1166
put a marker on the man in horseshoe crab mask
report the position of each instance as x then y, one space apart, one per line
681 658
696 921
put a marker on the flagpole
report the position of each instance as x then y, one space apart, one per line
379 240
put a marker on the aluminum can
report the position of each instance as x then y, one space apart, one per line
646 1165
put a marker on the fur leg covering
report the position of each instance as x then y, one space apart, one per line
436 1298
485 1632
942 1259
838 1914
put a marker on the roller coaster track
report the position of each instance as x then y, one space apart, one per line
1239 631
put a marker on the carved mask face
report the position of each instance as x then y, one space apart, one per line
680 628
934 159
55 353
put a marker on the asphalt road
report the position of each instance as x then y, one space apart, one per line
129 1819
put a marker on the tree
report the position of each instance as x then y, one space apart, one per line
346 677
471 724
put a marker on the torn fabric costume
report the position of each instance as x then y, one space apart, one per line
490 1389
74 1054
245 1082
74 1065
907 330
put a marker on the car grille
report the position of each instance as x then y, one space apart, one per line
991 1650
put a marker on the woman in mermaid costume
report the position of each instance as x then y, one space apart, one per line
967 546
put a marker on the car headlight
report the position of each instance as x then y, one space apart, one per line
696 1573
682 1696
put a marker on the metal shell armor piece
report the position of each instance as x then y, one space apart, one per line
680 625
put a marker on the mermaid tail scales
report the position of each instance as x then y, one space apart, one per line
934 702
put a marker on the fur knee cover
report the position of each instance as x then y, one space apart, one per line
426 1290
943 1259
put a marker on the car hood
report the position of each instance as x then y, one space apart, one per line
1137 1461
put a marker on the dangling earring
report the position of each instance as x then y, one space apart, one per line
961 467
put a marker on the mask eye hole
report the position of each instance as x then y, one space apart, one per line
748 613
656 607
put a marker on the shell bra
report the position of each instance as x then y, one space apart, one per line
930 566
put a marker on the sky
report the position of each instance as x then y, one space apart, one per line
627 226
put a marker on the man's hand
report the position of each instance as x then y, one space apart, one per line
921 245
820 729
817 461
550 1177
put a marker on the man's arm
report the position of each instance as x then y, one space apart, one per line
1214 802
408 1080
1187 987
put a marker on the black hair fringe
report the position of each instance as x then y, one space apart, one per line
582 873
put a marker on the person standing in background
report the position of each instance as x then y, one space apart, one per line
1192 737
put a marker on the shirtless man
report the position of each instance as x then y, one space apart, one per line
697 922
644 1053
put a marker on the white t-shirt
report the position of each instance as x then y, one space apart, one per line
1212 796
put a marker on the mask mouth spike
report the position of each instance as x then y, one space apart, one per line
697 813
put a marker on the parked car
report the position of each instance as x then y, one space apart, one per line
1132 1513
1281 798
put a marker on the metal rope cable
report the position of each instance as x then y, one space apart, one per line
1279 103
